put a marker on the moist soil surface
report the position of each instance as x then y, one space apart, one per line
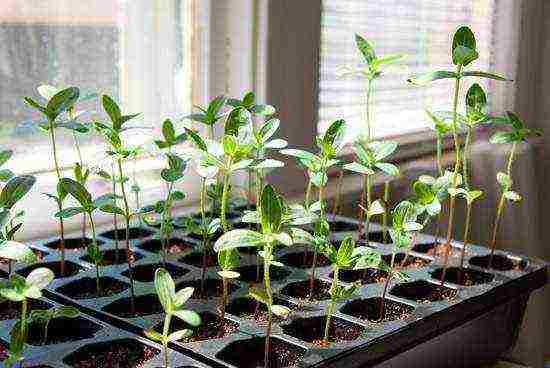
366 276
175 245
39 256
337 226
213 288
146 272
377 237
425 248
312 330
115 257
11 310
303 259
250 309
301 290
423 291
61 330
402 261
250 273
195 259
71 268
211 327
499 263
144 305
123 353
86 288
249 353
134 233
465 277
71 243
369 309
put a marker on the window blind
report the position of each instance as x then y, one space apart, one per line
421 29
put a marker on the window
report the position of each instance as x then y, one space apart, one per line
421 29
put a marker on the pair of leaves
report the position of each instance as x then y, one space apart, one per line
173 302
470 195
370 156
60 102
15 189
519 131
211 114
262 297
170 136
19 288
46 315
105 203
228 259
115 115
249 102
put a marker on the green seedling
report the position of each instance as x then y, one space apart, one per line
228 259
45 316
463 53
172 303
517 134
119 152
19 289
370 159
58 104
329 144
209 115
111 179
346 257
277 227
105 203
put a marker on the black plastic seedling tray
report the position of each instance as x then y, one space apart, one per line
474 324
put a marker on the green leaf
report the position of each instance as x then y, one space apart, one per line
199 142
412 226
425 78
423 192
214 107
183 296
271 210
300 236
343 257
111 208
301 154
263 110
463 37
248 99
276 144
334 132
388 168
478 73
5 155
280 311
16 251
284 238
47 91
358 168
112 110
62 101
512 196
381 150
376 208
242 164
78 191
31 102
229 145
228 258
239 238
69 212
259 295
503 137
168 131
39 278
190 317
387 59
229 274
66 311
166 289
319 179
6 174
154 335
476 99
268 129
464 55
268 164
178 335
365 48
15 189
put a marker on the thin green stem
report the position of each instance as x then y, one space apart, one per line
115 217
96 247
225 195
165 331
315 250
385 214
308 192
336 208
465 157
166 217
267 286
368 203
466 234
204 234
332 305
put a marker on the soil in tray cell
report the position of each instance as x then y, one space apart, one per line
71 243
338 226
3 351
146 272
377 237
301 290
250 273
249 353
404 261
61 330
123 353
134 233
465 277
144 305
499 263
114 257
422 291
428 248
303 259
213 288
86 288
312 330
250 309
71 269
175 245
195 259
12 310
366 276
369 310
211 327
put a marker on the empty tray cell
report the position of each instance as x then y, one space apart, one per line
144 305
133 232
114 257
86 287
422 291
369 309
70 270
312 330
465 276
146 272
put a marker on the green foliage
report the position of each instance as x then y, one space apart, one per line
228 259
19 288
59 103
16 251
211 114
516 130
370 158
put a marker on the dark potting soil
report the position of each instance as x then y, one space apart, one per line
11 310
195 259
175 245
301 290
71 243
249 353
426 248
146 272
4 275
402 261
422 291
250 273
303 259
337 226
134 233
312 329
39 256
86 288
250 309
499 263
213 288
123 353
211 327
377 237
465 277
369 309
366 276
71 268
144 305
61 330
3 350
115 257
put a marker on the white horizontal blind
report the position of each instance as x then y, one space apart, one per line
421 29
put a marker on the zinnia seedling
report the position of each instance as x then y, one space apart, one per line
228 259
172 303
45 316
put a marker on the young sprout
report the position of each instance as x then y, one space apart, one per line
210 115
88 205
276 223
45 316
370 158
317 165
463 52
228 259
172 303
517 134
119 152
347 256
20 289
59 103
